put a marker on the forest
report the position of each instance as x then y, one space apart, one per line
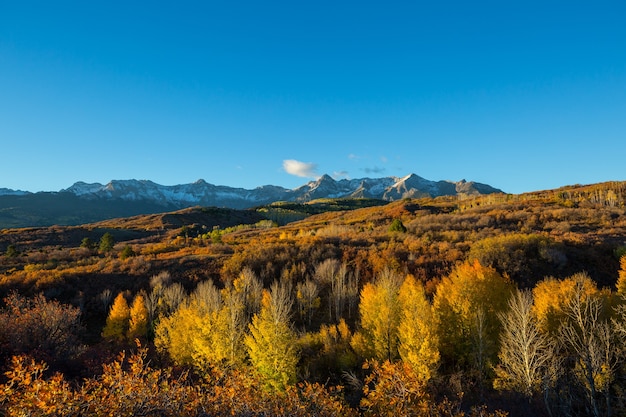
494 305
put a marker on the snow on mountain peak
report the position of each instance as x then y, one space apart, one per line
205 194
81 188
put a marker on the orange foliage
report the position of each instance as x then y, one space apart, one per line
394 389
130 387
552 295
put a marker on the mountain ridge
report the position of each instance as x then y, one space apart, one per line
203 193
88 202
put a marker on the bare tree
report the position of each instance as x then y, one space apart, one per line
589 338
207 296
154 300
352 292
342 287
340 290
152 303
480 343
325 273
46 329
162 279
235 322
308 299
105 298
281 294
171 297
251 289
526 354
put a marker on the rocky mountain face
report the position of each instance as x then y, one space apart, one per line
205 194
84 202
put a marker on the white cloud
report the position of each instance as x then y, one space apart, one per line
374 170
300 169
340 174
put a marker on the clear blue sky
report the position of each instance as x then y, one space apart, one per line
523 96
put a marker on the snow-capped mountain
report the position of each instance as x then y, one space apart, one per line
205 194
84 203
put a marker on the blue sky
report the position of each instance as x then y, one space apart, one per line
523 96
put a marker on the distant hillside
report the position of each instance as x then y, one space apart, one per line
86 203
528 236
197 220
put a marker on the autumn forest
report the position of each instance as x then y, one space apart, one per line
489 305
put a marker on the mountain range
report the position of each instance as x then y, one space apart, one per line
84 202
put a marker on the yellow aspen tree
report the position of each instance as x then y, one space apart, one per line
187 334
393 389
138 325
117 323
205 347
207 329
335 339
418 345
176 333
465 308
271 342
379 310
202 313
621 280
551 296
219 341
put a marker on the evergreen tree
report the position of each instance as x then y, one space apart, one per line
106 243
87 243
127 252
397 226
11 251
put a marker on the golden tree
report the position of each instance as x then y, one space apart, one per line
394 389
207 329
621 280
465 308
379 310
272 342
418 345
551 297
118 321
138 325
219 340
